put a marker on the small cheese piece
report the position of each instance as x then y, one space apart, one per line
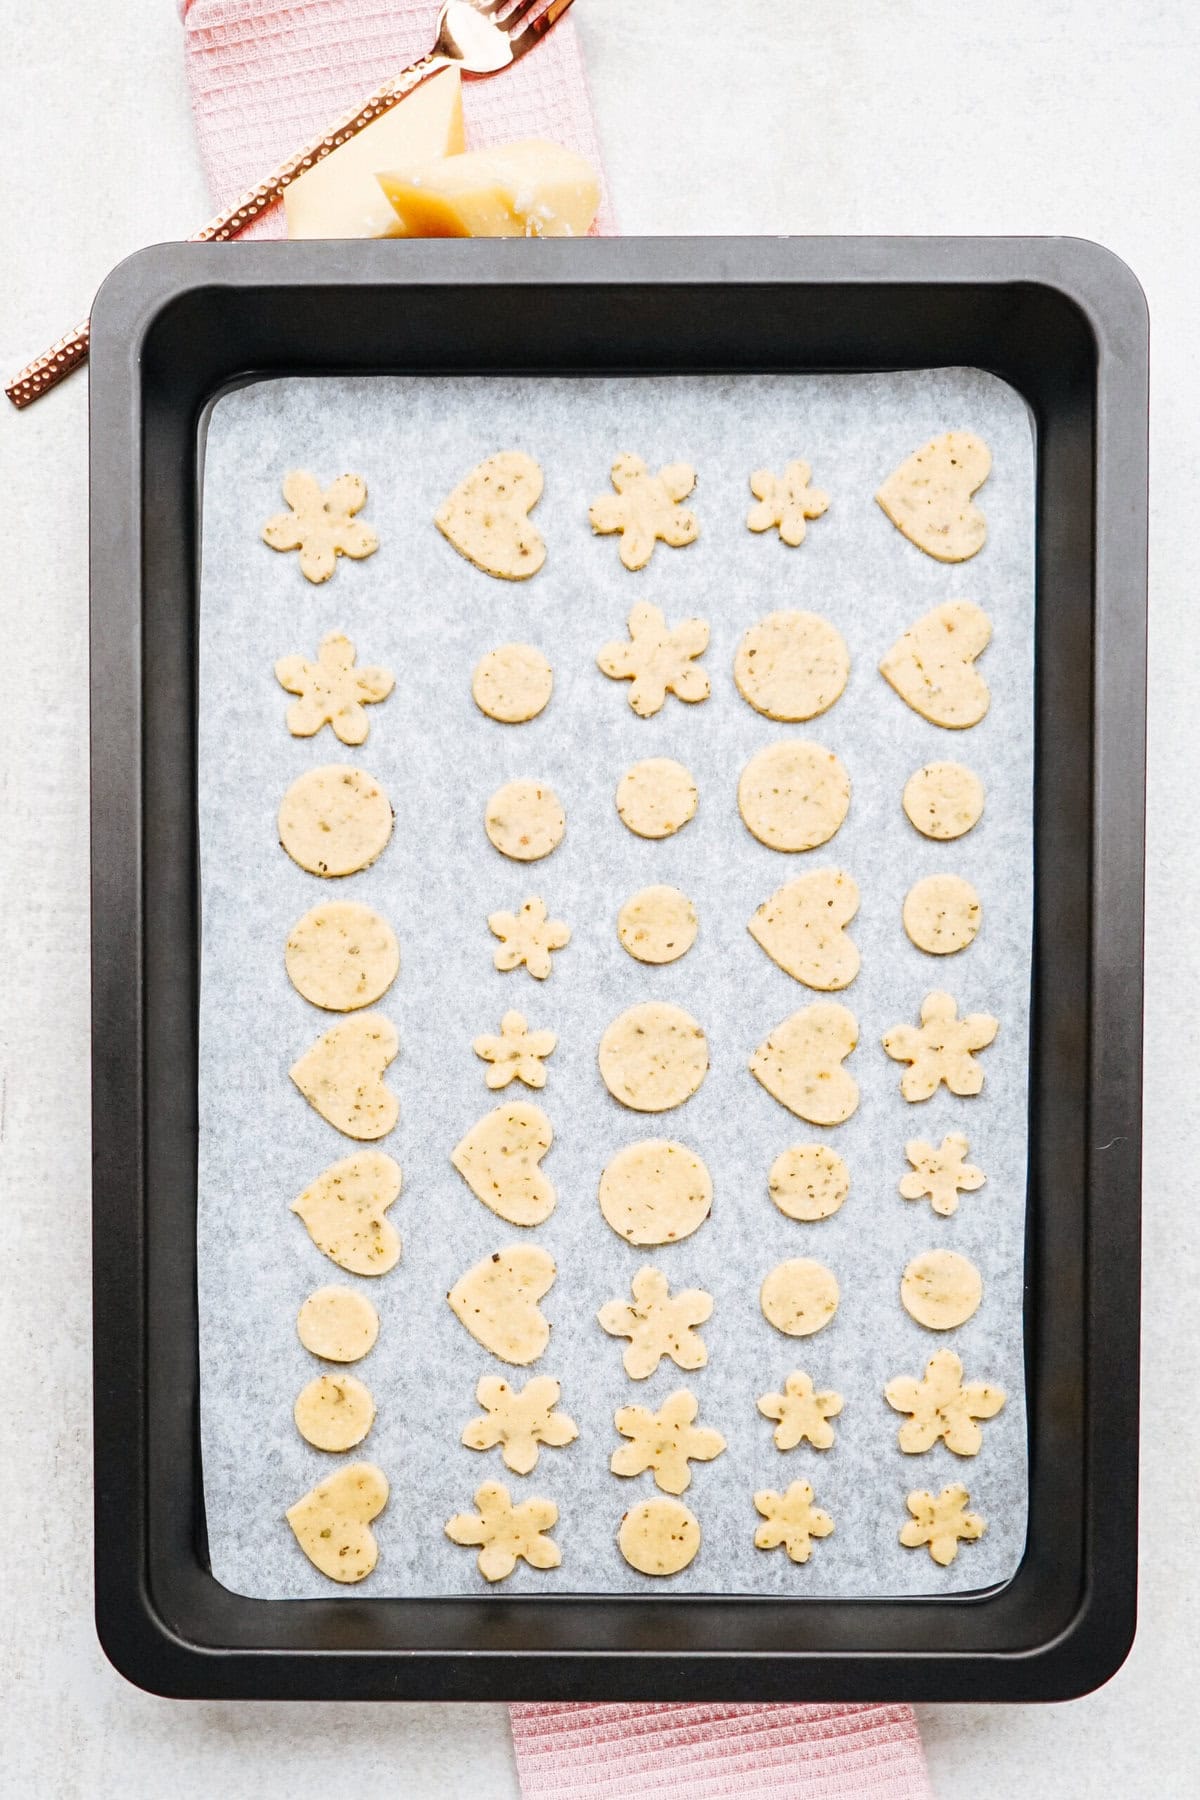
340 198
528 189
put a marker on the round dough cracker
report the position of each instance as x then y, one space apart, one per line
942 914
941 1289
334 1412
512 683
342 956
809 1181
794 795
658 925
799 1297
943 800
791 665
655 1192
656 798
335 820
525 820
337 1324
659 1537
653 1056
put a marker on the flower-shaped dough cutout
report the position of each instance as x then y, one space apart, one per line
645 508
942 1405
791 1520
519 1420
658 1324
940 1175
658 660
802 1414
321 526
941 1522
505 1532
332 691
527 937
786 501
941 1048
665 1441
516 1054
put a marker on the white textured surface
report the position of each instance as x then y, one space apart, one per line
1038 117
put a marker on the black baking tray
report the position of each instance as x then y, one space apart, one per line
1065 323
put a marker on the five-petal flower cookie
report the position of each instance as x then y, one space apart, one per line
942 1406
786 501
332 691
941 1048
646 508
791 1520
527 937
940 1175
941 1522
802 1414
665 1441
658 660
505 1532
321 526
519 1420
516 1054
658 1324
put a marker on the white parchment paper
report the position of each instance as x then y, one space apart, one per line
420 609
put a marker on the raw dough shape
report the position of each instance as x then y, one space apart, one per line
505 1532
653 1057
332 691
497 1302
659 1537
802 927
498 1159
335 820
525 820
332 1523
517 1054
928 497
338 1324
645 508
786 501
943 800
941 1523
658 1324
334 1412
941 1289
657 797
793 795
791 1519
932 666
341 955
657 925
527 937
791 666
487 520
942 914
941 1048
322 526
800 1064
512 684
809 1182
519 1420
943 1406
664 1441
802 1414
341 1076
799 1297
940 1175
655 1192
658 660
344 1212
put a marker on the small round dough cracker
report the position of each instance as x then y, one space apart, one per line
791 666
525 820
335 820
334 1412
941 1289
794 795
512 683
943 800
341 956
809 1181
799 1297
337 1324
658 925
655 1192
942 914
656 798
653 1057
659 1537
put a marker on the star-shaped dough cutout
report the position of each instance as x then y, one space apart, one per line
941 1048
940 1175
786 501
802 1414
791 1520
332 691
516 1054
658 1324
505 1532
943 1406
658 660
519 1420
527 937
941 1522
645 508
665 1441
321 526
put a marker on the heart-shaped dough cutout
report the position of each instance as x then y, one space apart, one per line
344 1210
932 667
486 518
802 927
498 1159
928 497
497 1301
342 1076
332 1523
800 1064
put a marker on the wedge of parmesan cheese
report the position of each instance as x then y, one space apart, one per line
528 189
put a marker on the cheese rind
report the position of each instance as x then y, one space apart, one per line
527 189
